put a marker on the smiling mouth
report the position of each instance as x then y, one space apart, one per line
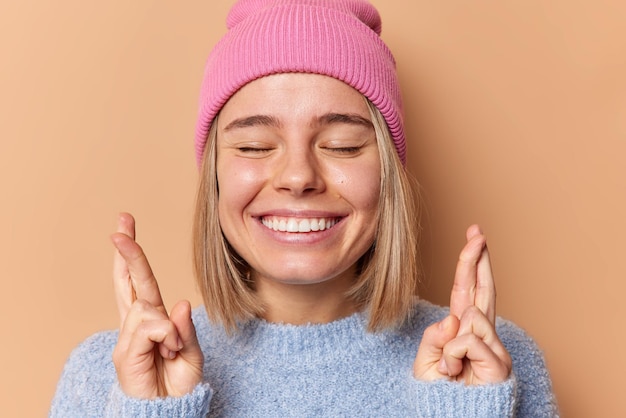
298 224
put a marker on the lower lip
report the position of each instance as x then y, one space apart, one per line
301 238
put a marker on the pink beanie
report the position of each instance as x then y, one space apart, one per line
336 38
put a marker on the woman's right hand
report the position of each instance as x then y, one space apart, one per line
157 354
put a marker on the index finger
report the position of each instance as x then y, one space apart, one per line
122 285
473 281
140 273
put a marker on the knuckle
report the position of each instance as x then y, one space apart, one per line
141 306
466 258
146 330
461 288
137 254
473 340
431 332
471 313
156 331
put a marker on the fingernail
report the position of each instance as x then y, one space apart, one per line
172 355
180 343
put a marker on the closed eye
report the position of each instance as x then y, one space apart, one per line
253 150
344 150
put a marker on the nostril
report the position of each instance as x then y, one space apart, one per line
299 176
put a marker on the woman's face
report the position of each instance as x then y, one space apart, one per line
298 172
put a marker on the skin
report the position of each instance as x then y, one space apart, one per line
465 346
292 147
156 354
296 146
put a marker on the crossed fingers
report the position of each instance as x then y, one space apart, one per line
465 345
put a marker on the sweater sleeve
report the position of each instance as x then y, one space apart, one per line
194 404
88 388
527 393
444 398
535 397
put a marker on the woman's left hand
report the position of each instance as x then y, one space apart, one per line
465 346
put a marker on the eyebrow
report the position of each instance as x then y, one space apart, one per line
255 120
326 119
347 118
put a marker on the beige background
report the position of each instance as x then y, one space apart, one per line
516 113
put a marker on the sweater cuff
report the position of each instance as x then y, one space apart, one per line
445 398
194 404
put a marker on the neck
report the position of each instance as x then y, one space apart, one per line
300 304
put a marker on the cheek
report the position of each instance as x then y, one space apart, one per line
236 173
238 183
362 186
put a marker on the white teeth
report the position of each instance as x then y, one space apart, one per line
305 226
292 225
299 225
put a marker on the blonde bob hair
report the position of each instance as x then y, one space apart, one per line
388 273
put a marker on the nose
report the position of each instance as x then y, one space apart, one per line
298 172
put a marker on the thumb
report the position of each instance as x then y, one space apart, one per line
181 317
428 364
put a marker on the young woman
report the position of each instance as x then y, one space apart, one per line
305 253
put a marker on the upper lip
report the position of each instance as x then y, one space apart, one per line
291 213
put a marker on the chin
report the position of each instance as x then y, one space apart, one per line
306 276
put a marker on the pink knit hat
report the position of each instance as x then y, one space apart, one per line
336 38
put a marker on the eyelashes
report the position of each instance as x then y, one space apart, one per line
333 150
253 150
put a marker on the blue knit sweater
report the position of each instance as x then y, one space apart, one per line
330 370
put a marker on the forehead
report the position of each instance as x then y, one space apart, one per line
295 96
